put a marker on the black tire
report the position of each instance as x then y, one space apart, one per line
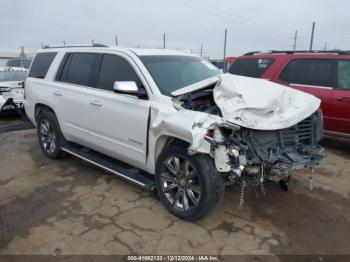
48 118
206 179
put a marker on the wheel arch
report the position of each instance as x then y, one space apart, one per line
165 141
39 108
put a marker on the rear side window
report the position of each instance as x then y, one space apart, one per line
76 68
317 72
250 67
344 74
115 68
41 64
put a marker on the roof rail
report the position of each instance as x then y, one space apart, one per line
335 51
72 46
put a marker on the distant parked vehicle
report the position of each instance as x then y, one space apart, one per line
220 63
19 62
230 60
325 74
11 88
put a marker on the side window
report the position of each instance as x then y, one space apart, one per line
250 67
78 69
344 74
317 72
41 64
115 68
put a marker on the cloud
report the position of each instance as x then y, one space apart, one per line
252 24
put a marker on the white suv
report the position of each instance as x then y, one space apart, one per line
11 88
170 121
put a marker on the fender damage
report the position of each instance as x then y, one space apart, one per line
253 129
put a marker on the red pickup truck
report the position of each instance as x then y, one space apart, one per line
325 74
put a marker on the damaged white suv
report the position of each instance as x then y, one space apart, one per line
174 122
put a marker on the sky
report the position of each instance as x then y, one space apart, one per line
251 24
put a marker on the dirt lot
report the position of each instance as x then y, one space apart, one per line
70 207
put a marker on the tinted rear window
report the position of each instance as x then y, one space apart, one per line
317 72
41 64
76 68
250 67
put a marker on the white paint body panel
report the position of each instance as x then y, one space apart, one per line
260 104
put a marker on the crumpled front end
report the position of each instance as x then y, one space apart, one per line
252 139
258 155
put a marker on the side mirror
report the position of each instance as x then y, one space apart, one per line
128 88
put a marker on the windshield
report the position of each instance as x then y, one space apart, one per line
13 75
175 72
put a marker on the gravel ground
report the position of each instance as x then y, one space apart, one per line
70 207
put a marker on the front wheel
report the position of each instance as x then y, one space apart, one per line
189 186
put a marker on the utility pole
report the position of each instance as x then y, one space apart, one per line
325 46
22 54
116 40
295 40
225 40
163 40
201 50
312 35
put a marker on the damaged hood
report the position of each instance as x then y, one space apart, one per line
261 104
257 103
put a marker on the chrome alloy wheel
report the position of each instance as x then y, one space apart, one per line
47 136
180 183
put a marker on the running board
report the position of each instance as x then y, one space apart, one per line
130 174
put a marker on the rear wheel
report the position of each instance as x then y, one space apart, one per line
189 186
50 136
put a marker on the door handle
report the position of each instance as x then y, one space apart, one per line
57 93
95 103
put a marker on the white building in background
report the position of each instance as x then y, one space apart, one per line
5 56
